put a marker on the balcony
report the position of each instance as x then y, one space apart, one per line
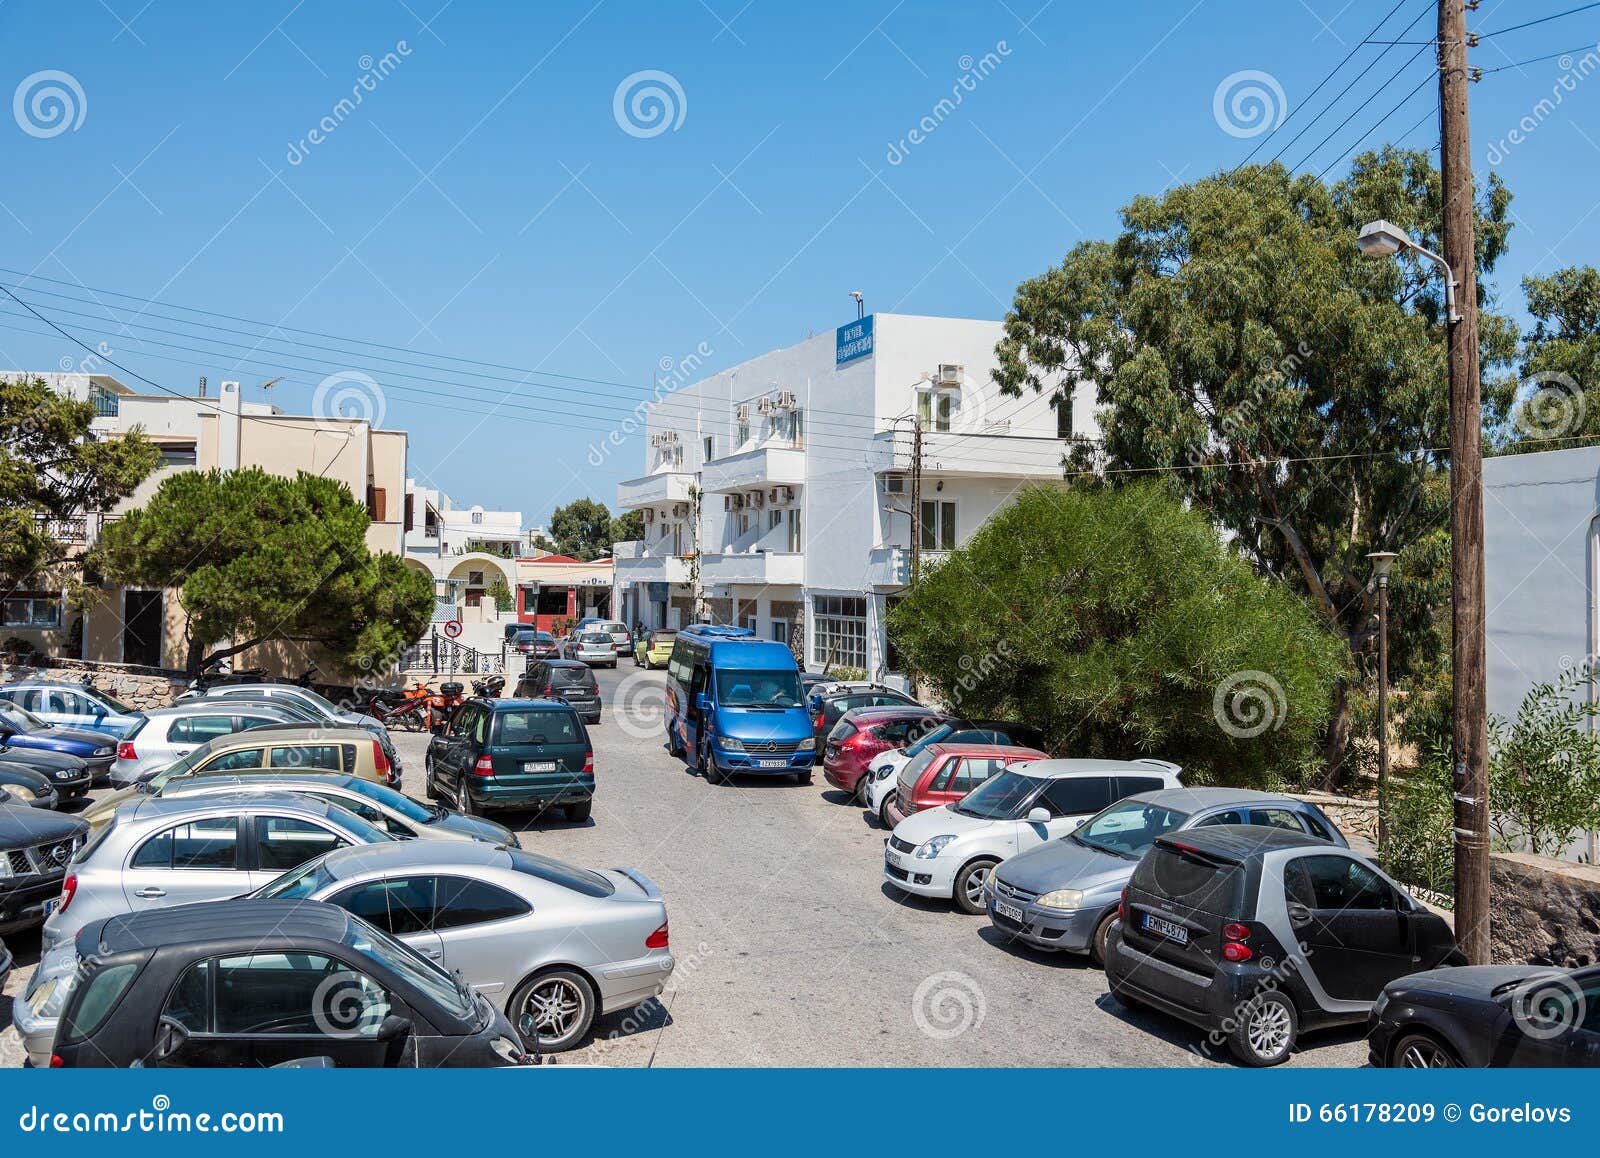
635 562
769 568
654 490
947 452
766 466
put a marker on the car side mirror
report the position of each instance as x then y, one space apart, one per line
1037 815
171 1036
394 1028
702 701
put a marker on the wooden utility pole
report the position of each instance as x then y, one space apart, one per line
1469 731
916 499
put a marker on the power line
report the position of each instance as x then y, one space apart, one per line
1425 80
1354 112
1537 59
1541 20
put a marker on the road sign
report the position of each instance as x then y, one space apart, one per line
452 628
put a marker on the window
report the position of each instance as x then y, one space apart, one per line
1338 883
793 518
378 504
105 989
1230 816
282 842
974 771
579 880
296 994
1076 795
398 907
36 611
539 726
934 408
1063 417
744 523
477 518
1319 824
1128 785
774 519
463 902
199 729
840 630
241 758
474 578
189 1004
326 757
711 448
1275 818
780 631
938 525
212 843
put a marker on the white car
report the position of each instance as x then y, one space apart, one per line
619 633
949 852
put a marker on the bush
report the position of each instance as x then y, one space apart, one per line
1544 769
1420 845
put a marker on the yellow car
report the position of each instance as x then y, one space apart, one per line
653 649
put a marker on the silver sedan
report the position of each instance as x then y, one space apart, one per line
544 940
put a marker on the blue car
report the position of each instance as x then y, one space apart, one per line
23 731
73 706
735 706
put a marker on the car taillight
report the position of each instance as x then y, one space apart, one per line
549 689
658 939
588 763
483 766
380 759
1234 951
55 1061
1236 934
1236 931
1122 906
69 889
125 751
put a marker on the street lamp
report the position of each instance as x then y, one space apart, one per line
1385 239
861 303
1382 561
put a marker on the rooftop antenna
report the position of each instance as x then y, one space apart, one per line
266 388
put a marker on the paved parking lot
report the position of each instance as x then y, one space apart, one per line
792 951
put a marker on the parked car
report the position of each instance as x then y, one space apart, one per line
863 734
592 647
828 701
1064 893
515 753
568 680
653 649
43 784
540 937
305 698
619 633
949 852
68 705
281 747
397 814
35 846
252 983
877 788
1256 934
943 773
22 732
538 644
1488 1015
158 852
166 734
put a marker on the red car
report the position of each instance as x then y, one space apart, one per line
943 773
863 733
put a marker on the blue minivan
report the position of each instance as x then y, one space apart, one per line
735 706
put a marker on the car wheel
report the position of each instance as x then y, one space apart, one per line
561 1004
1102 935
1421 1051
969 885
429 788
578 813
803 776
883 814
464 803
860 794
708 764
1266 1030
673 747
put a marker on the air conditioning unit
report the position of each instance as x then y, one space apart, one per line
786 400
894 484
649 515
765 406
741 413
679 510
948 374
670 438
772 495
738 502
754 499
788 494
657 439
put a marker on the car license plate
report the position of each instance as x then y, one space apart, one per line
772 763
893 858
1010 912
1175 933
539 766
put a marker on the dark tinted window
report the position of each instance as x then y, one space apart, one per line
95 1002
590 884
1317 823
1075 795
1190 879
1276 818
1338 883
229 761
841 732
199 729
200 844
296 993
946 773
398 906
1231 816
464 902
536 726
1128 785
323 757
570 677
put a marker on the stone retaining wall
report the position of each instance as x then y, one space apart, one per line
1543 911
139 688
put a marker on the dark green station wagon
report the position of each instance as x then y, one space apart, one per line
525 754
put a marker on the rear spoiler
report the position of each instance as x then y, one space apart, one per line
642 881
1164 765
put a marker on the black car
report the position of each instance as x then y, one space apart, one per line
569 680
1488 1015
1256 933
36 845
829 701
516 753
69 776
259 983
27 788
5 964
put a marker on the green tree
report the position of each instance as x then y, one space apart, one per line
51 469
1557 402
1544 767
582 529
261 558
1119 623
1293 388
627 527
501 594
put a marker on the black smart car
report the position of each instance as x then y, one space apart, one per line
1488 1015
569 680
36 845
1256 933
259 983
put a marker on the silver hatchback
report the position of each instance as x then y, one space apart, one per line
536 936
167 734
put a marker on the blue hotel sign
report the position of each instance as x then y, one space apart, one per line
853 341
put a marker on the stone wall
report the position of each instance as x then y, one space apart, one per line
1543 911
139 688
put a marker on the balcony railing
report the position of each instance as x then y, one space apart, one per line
655 489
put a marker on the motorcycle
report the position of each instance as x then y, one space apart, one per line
489 688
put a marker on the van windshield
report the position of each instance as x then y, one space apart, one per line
739 688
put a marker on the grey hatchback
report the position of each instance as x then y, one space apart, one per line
1063 894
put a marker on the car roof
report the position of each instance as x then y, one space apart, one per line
541 703
1055 769
208 706
1010 751
566 663
297 731
415 854
1240 842
222 921
889 711
1194 799
156 807
256 783
749 653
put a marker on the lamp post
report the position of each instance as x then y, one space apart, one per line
1382 561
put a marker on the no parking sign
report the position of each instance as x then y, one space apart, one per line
452 628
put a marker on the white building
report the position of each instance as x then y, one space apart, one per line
777 492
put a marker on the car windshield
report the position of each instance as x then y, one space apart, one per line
392 800
1001 797
449 991
20 720
661 638
1129 827
296 884
544 637
181 767
933 737
112 702
349 821
566 677
737 688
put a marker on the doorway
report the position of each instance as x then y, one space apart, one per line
141 628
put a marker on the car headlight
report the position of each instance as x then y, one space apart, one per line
1061 899
883 772
51 996
729 744
65 773
932 847
509 1051
105 751
5 867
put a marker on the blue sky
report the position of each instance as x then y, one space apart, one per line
485 200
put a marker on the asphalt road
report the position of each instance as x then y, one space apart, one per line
791 949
